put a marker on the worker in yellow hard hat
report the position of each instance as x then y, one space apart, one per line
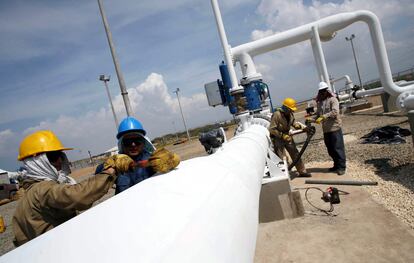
280 125
51 195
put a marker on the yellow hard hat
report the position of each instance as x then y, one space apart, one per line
40 142
290 103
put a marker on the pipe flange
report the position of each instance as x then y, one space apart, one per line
405 101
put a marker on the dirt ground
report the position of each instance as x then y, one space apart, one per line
391 202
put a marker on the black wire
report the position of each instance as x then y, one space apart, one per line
331 209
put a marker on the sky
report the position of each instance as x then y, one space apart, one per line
52 53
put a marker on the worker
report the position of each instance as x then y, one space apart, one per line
52 197
327 113
282 121
133 142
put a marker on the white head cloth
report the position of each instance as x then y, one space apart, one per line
39 168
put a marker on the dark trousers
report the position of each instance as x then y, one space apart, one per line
334 142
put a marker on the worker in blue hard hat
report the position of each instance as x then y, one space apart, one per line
133 142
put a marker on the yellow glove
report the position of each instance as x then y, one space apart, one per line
309 120
297 126
287 137
163 160
120 162
319 120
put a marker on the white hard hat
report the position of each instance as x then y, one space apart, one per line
323 85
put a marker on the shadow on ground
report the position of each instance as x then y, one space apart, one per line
400 174
376 114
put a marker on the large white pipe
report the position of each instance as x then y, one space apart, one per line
359 94
348 84
204 211
371 92
319 57
327 28
226 47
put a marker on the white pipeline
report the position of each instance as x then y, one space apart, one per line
204 211
226 47
327 28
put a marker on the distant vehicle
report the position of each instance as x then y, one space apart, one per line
8 186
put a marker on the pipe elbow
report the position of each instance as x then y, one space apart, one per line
367 16
405 101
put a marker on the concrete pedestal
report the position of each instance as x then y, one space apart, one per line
388 102
278 202
411 121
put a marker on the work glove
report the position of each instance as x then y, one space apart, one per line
287 137
309 120
297 126
163 160
120 162
319 120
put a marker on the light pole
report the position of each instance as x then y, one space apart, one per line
175 130
121 81
356 62
106 79
182 115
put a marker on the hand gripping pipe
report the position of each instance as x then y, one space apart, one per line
204 211
327 28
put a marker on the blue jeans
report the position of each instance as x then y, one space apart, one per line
334 142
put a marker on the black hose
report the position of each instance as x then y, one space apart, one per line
310 133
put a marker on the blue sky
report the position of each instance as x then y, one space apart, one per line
52 53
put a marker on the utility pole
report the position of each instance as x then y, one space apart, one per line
90 157
356 62
175 130
182 115
106 79
116 63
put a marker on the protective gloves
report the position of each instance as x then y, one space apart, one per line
319 120
297 126
163 160
120 162
287 137
309 120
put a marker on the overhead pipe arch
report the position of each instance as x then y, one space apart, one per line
327 28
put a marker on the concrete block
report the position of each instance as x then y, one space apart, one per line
278 202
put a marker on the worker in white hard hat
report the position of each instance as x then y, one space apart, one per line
280 124
327 114
52 197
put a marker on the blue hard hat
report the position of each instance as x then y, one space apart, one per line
130 124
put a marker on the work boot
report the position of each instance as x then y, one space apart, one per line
340 171
305 174
333 169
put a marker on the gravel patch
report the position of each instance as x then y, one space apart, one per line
392 166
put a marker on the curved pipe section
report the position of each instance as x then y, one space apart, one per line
204 211
327 28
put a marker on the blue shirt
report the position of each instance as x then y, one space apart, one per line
128 179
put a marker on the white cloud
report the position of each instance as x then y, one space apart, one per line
258 34
5 136
283 15
152 104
